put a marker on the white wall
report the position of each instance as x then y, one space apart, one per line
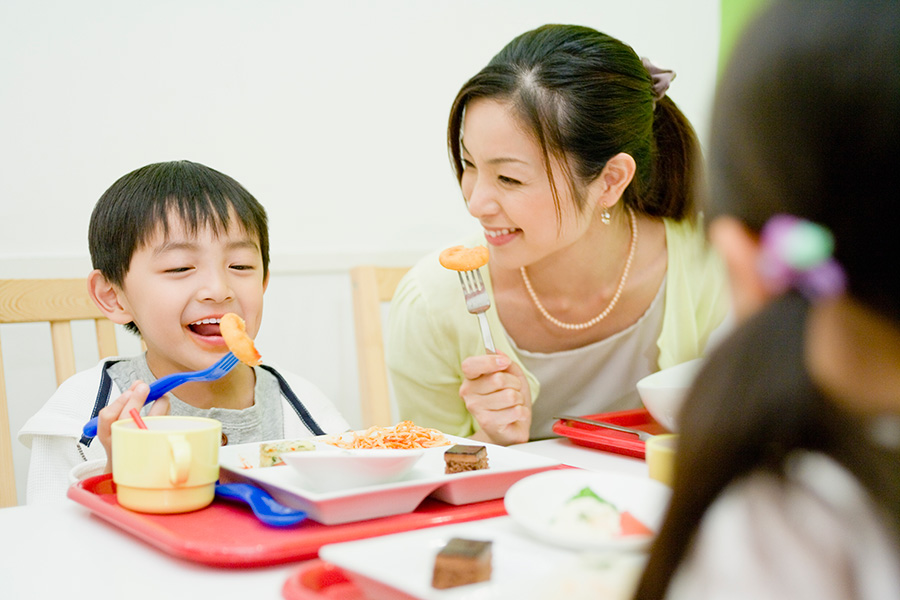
332 114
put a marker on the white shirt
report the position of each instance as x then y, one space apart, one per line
815 535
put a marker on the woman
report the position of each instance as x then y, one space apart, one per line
788 471
581 173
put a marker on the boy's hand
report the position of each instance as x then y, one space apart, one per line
497 395
134 397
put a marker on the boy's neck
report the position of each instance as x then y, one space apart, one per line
235 391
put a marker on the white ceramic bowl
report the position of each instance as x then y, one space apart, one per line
328 470
663 392
537 502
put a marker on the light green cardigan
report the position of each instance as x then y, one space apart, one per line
429 331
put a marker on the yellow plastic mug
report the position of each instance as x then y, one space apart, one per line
660 454
170 467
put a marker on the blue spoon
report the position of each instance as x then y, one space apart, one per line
266 508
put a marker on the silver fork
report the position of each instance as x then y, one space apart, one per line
477 302
642 435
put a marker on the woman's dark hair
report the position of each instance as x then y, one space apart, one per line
806 122
585 97
130 212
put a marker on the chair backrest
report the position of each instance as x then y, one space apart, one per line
59 302
372 286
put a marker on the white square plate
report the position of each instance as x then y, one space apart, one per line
427 478
523 567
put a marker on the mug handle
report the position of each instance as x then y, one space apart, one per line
181 459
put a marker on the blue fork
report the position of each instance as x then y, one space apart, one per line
168 383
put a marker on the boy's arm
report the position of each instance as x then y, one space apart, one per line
134 397
52 435
52 458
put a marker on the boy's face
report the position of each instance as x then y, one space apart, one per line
178 286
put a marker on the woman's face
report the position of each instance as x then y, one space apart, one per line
506 188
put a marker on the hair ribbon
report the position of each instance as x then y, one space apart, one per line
796 253
661 79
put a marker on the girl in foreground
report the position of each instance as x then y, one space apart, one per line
788 471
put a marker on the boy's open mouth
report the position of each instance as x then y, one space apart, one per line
207 327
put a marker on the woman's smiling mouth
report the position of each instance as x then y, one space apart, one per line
498 237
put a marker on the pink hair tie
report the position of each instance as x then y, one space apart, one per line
795 253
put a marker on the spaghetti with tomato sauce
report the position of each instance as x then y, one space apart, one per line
403 436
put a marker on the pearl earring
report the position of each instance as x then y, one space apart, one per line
604 216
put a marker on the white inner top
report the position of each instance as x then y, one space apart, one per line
596 378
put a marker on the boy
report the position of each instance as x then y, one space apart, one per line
174 247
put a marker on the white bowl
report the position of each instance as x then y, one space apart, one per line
328 470
537 502
663 392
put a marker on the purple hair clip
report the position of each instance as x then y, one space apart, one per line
660 78
795 253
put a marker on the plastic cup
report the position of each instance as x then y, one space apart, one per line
660 455
170 467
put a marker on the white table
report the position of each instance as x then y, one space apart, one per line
64 551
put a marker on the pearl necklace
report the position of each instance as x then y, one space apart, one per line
612 303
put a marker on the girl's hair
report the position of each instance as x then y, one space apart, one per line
585 97
752 406
805 123
130 212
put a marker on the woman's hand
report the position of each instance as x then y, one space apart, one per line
134 397
497 395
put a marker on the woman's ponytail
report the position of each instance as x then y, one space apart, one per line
671 189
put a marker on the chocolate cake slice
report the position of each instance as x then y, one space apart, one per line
462 562
461 458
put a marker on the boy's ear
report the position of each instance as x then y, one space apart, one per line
106 296
739 247
609 186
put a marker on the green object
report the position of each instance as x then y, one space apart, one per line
589 493
734 16
808 245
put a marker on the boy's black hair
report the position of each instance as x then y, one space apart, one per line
128 214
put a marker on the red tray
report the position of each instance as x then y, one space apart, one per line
610 439
319 580
225 534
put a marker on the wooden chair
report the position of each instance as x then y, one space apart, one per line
372 286
59 302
